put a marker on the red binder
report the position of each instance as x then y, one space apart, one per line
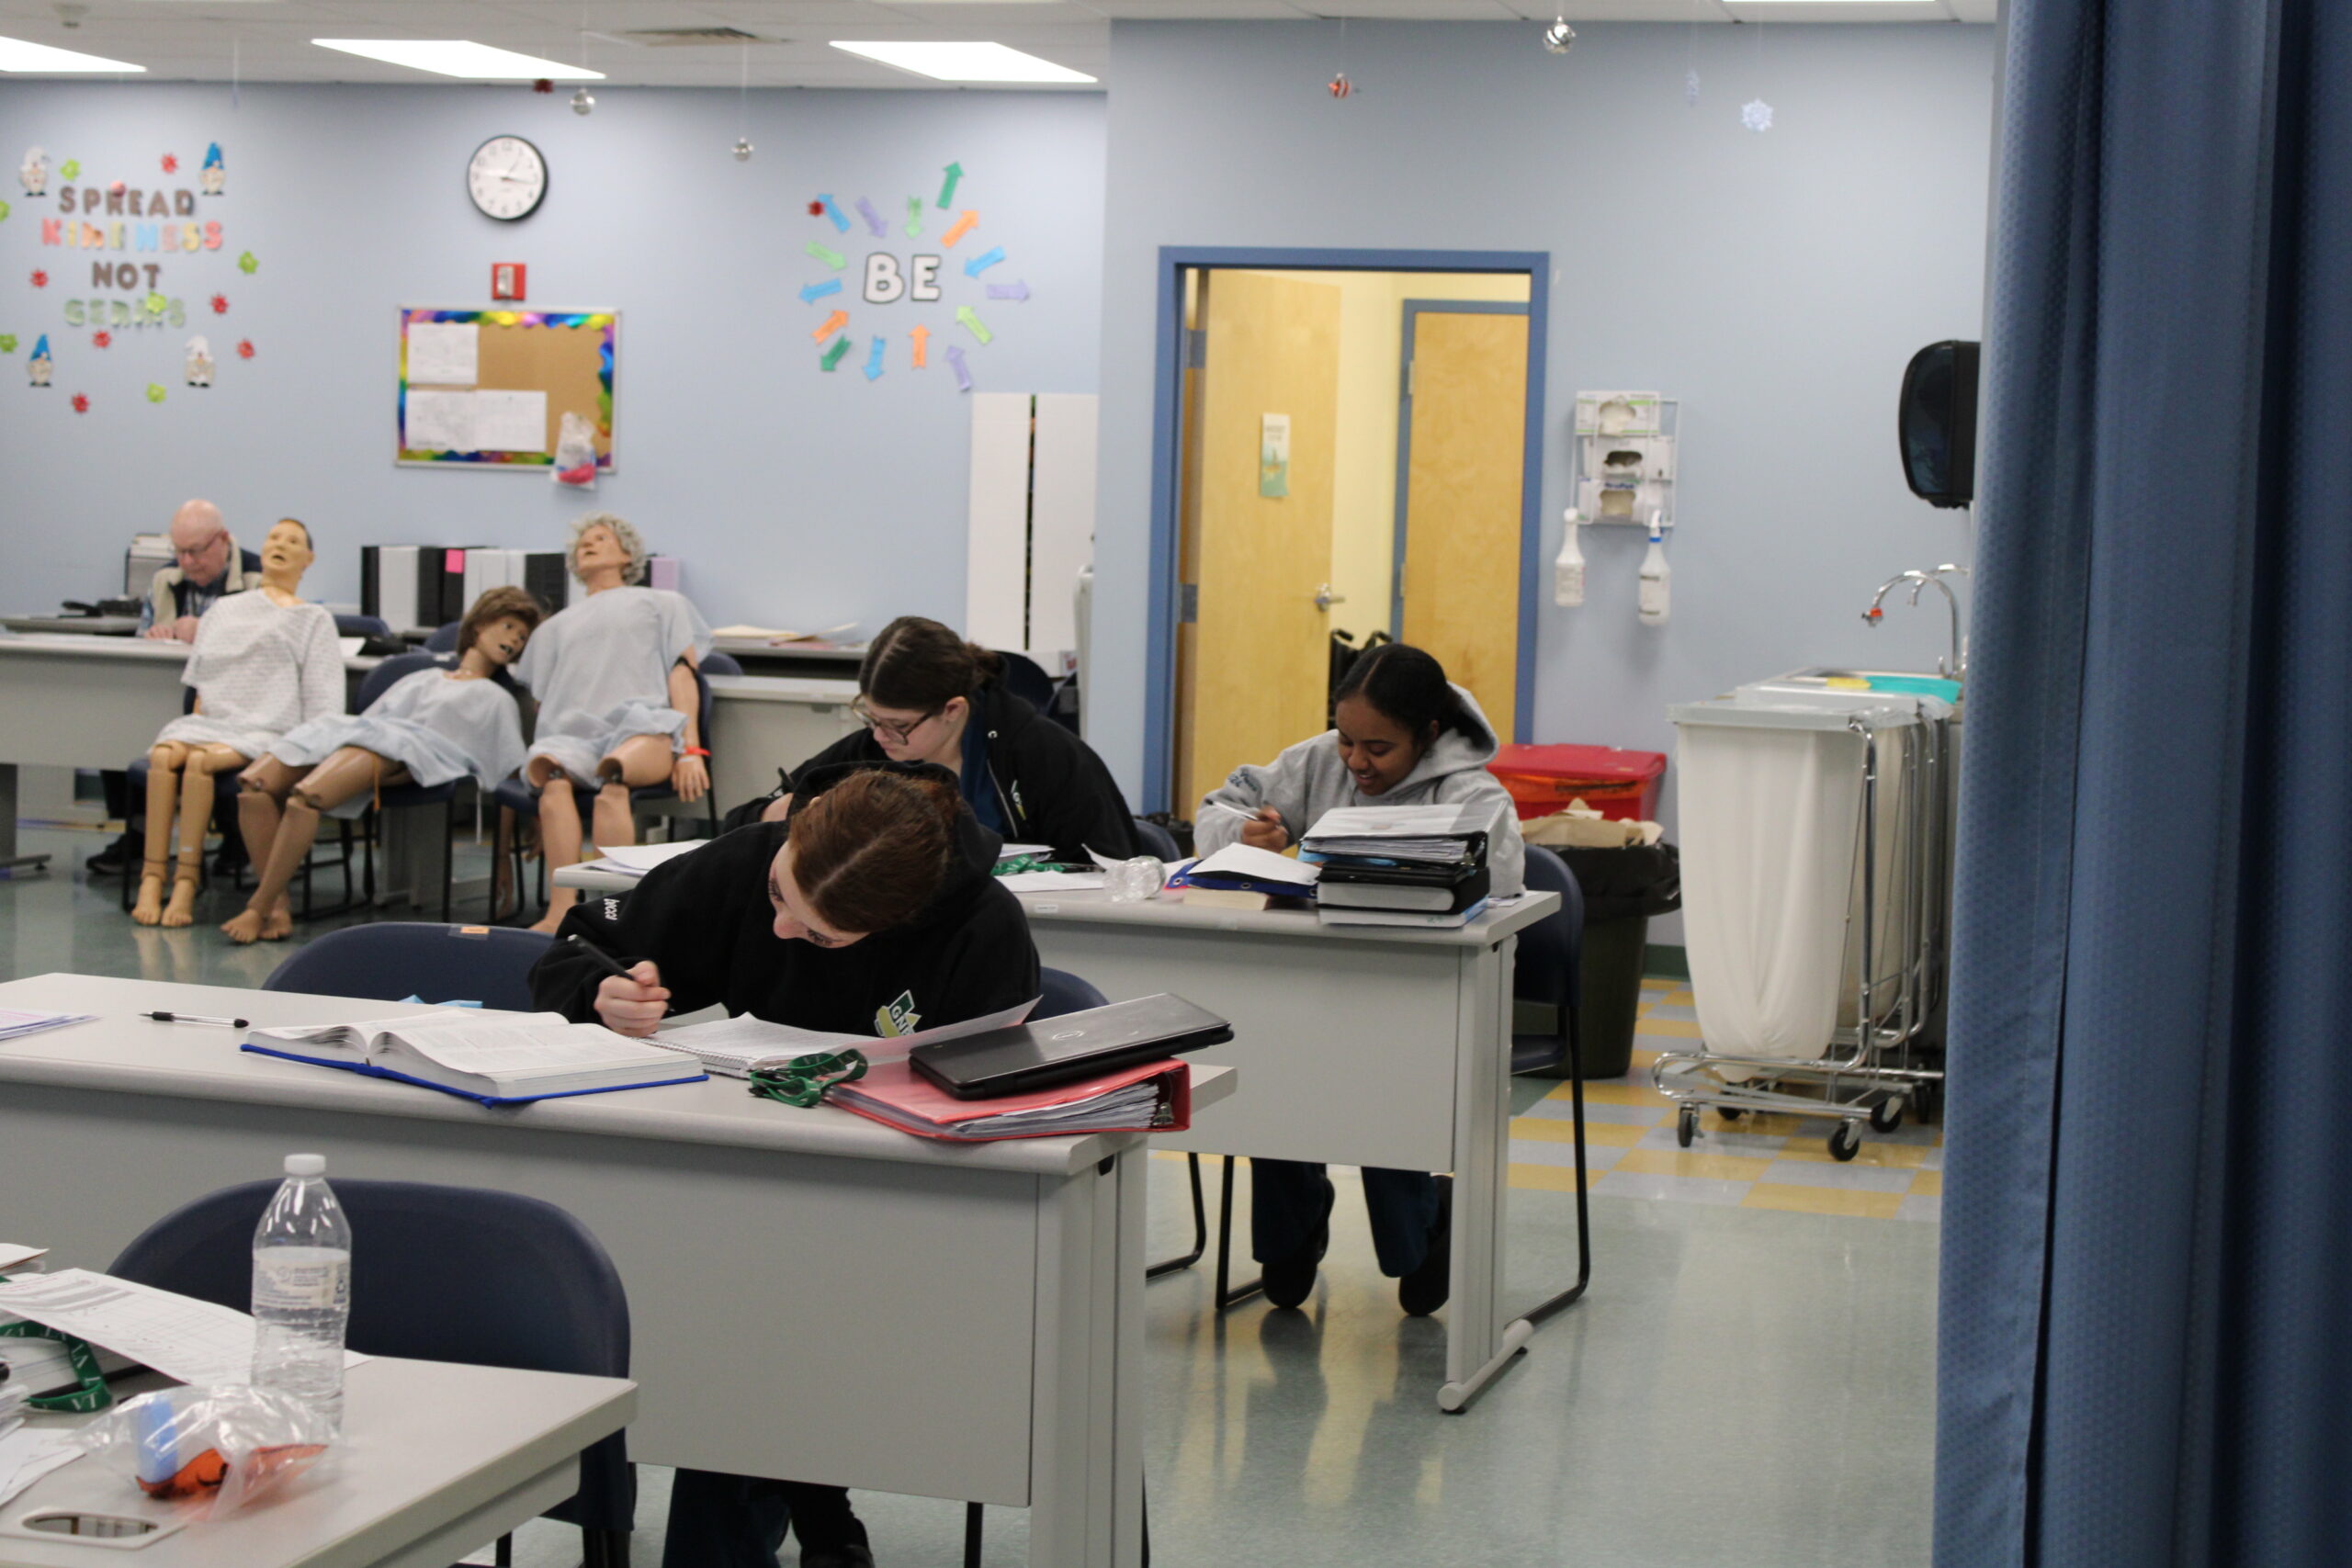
895 1095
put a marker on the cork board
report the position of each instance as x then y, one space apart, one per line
489 389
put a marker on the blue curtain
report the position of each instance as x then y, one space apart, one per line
2146 1306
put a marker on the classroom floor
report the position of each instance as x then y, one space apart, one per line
1750 1379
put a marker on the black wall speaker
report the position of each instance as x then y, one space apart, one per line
1938 423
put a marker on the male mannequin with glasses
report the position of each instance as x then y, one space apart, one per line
208 565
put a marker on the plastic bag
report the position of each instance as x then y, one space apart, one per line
223 1446
1133 881
575 453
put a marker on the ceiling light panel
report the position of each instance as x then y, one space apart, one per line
18 55
965 61
461 58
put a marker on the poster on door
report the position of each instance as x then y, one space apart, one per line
1273 456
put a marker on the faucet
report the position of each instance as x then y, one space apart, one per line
1957 668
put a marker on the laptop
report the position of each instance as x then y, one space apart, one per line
1045 1052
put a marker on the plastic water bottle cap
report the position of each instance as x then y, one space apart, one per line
306 1165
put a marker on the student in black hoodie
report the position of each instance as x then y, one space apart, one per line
927 695
871 910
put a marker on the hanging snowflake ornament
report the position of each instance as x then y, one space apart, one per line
542 86
101 340
248 264
70 168
154 391
245 348
7 342
40 279
1559 37
582 101
1691 87
742 149
220 304
171 164
1756 114
1341 86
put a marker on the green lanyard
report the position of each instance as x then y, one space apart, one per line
1014 865
92 1396
804 1080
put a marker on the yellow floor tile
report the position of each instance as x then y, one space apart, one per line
1553 1130
1630 1091
1676 1028
1893 1156
1823 1200
1927 1184
1674 1162
1681 998
1545 1177
1642 1060
1659 985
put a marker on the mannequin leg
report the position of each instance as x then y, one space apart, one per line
636 762
163 765
197 792
261 806
345 774
558 835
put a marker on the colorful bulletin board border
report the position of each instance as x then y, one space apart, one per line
530 357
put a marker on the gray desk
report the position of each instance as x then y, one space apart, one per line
87 702
760 723
815 1295
435 1460
760 656
1380 1045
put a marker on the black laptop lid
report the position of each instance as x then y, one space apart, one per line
1045 1052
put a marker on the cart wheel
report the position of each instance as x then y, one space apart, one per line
1847 1141
1686 1127
1886 1115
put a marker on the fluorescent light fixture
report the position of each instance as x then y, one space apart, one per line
16 54
965 61
460 57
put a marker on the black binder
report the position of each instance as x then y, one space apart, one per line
1045 1052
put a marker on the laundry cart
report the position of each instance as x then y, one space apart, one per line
1817 847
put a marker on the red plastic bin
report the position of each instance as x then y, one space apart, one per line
1621 786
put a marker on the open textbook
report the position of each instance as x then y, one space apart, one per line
735 1045
497 1059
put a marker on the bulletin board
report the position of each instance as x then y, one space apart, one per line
489 389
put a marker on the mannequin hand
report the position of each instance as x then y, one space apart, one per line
635 1006
1267 831
690 779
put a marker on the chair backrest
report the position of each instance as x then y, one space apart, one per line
437 1273
1026 678
1157 841
718 664
1065 993
1550 952
390 673
444 638
362 626
394 959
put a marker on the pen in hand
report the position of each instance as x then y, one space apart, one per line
197 1018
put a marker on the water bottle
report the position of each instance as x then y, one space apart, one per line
302 1290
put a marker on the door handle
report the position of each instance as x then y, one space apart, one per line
1325 598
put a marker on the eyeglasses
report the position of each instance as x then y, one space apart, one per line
901 733
197 552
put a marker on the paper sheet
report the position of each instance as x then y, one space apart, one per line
440 422
179 1336
30 1453
733 1044
636 859
13 1255
1247 860
511 422
1051 881
444 354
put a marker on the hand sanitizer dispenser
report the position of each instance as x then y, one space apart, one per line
1567 571
1657 578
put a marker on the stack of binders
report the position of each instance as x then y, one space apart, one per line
1400 866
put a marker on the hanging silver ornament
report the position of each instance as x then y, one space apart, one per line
742 149
1559 37
582 102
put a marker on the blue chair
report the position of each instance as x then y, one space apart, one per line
1158 841
394 960
1548 970
516 796
413 797
1065 993
457 1274
718 664
444 638
365 625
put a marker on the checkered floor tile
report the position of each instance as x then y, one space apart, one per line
1757 1162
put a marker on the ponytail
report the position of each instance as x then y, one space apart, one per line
918 665
872 849
1408 687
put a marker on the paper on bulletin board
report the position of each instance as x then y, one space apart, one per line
1273 456
440 422
444 354
510 422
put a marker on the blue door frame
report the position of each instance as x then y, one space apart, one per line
1414 311
1168 403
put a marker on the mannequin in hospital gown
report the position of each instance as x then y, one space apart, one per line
432 727
615 678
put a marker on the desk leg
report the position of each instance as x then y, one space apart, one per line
1086 1464
11 862
1477 1346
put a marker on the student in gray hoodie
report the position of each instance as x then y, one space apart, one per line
1402 734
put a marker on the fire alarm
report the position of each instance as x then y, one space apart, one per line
506 281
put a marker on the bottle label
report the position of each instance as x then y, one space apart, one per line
1652 596
299 1284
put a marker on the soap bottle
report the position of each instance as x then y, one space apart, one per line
1656 576
1567 571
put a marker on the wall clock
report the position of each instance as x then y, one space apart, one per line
507 177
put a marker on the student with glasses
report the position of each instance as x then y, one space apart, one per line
871 910
926 695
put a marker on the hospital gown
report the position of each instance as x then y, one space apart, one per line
601 672
440 729
260 668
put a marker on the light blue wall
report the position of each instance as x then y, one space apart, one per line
794 497
1777 283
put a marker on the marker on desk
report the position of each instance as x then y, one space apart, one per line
197 1018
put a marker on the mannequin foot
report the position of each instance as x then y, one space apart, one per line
280 923
181 911
548 922
244 927
148 909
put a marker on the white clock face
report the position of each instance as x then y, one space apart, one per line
507 179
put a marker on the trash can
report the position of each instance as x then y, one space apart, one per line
1622 888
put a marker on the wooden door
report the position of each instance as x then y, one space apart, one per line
1255 669
1466 422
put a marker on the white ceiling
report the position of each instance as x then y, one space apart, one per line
268 40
